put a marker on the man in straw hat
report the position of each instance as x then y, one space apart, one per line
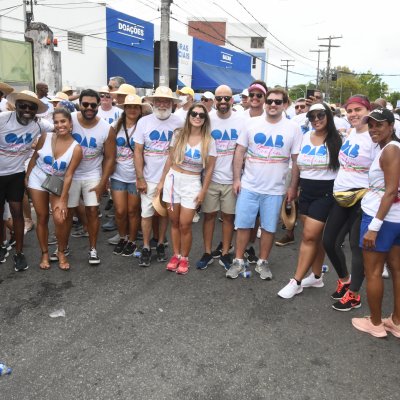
18 130
5 90
152 138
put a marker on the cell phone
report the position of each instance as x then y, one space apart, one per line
310 92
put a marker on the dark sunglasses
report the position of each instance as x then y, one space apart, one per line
195 114
1 94
205 99
106 95
93 106
226 98
319 116
258 95
301 106
276 101
27 106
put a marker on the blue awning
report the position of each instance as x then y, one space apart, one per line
209 77
136 68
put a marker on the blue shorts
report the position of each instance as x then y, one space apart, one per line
388 236
249 204
123 186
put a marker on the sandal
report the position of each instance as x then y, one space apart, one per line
63 264
44 264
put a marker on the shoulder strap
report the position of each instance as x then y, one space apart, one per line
128 137
53 147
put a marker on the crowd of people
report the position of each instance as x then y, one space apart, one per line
164 158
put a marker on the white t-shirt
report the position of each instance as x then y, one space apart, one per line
155 135
355 158
313 161
125 168
181 113
303 122
225 133
111 115
192 160
16 141
48 114
397 128
341 124
269 148
372 200
246 114
92 142
3 105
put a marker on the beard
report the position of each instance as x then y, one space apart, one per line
89 115
162 114
223 108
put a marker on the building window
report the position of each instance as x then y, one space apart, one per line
254 62
75 42
257 42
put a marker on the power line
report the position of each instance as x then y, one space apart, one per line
287 69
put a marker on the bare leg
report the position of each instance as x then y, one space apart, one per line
266 241
227 231
93 224
208 230
120 199
185 228
242 240
175 232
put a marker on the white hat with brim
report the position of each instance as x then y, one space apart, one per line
125 89
288 219
160 205
163 92
59 97
6 89
134 100
27 95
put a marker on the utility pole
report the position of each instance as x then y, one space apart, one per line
328 67
164 43
319 53
28 14
287 70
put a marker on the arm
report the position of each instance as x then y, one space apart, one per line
237 167
32 161
390 164
139 164
293 188
207 179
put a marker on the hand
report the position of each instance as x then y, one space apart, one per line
236 187
369 240
61 207
26 181
141 185
99 190
291 194
199 198
311 100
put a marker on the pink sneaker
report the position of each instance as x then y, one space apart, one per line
391 326
365 325
173 263
183 268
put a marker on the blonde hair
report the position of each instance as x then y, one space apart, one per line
182 137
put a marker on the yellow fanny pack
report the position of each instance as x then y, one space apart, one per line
350 197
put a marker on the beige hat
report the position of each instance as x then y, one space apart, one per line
67 89
288 218
163 92
59 97
104 89
6 89
27 95
125 89
159 205
133 99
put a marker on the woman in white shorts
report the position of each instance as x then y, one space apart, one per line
192 150
57 154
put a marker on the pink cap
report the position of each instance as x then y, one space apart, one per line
258 87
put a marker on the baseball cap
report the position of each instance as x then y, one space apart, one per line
245 92
208 95
379 114
315 107
186 90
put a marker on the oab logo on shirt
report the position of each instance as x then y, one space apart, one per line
48 160
89 147
225 141
124 151
267 149
349 150
17 144
314 150
159 143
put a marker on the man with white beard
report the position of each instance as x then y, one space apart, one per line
152 138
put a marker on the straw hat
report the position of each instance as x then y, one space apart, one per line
59 97
125 89
163 92
159 205
27 95
288 217
133 99
66 89
6 89
104 89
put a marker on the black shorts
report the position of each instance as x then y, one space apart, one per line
12 188
316 198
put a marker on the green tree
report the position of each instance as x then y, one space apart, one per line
372 85
393 98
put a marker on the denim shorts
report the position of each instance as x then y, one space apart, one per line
249 204
123 186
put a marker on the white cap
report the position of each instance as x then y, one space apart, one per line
208 95
245 92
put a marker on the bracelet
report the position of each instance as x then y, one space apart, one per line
375 225
140 177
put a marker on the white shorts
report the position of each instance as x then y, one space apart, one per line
147 200
181 189
36 178
83 187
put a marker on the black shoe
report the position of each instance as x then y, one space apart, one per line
94 258
3 254
154 243
218 251
145 258
20 263
341 290
205 260
251 255
109 205
161 256
226 261
129 249
12 240
119 248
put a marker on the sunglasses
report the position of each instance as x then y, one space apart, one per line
106 95
195 114
26 106
276 101
205 99
93 106
226 98
258 95
301 106
319 116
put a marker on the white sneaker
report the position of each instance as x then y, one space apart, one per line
385 273
312 281
290 290
114 240
259 232
196 218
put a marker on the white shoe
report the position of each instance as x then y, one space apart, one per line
312 281
114 240
290 290
385 273
196 218
259 233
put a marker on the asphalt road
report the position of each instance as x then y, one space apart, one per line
145 333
